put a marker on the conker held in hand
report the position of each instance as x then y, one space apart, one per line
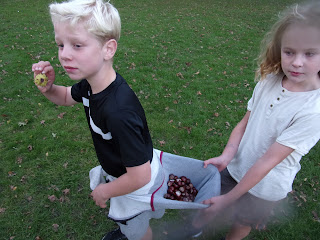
41 80
181 189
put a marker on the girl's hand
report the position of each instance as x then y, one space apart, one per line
204 216
218 162
47 69
217 203
98 195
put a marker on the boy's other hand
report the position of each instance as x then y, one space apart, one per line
98 195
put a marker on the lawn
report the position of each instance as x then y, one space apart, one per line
191 63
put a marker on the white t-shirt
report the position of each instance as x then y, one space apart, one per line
277 115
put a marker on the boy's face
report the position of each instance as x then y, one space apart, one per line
80 53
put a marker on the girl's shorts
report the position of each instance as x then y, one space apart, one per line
248 210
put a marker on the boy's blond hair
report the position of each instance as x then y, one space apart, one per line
100 18
269 60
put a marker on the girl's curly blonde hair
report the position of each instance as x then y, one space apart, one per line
269 60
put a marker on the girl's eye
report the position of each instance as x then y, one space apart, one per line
309 54
77 45
60 45
288 53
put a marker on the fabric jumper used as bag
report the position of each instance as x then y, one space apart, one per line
151 196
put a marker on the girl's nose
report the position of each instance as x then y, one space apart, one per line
297 61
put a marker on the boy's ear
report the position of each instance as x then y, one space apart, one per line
109 49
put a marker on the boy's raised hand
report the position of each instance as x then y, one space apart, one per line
47 69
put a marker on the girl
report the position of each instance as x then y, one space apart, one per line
261 158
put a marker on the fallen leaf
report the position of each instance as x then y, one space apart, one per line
52 198
61 115
179 74
11 173
55 227
65 165
21 124
19 160
23 179
66 191
188 129
315 216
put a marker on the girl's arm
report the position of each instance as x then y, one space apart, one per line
59 95
232 146
135 178
275 154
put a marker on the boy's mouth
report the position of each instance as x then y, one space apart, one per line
69 69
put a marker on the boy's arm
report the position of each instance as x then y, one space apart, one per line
59 95
135 178
232 146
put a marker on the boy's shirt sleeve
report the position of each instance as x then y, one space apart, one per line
77 90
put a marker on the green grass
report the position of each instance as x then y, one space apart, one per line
191 63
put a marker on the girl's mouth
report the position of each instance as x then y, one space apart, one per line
295 74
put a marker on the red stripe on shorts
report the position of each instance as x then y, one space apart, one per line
152 196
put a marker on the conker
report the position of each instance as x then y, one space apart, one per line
180 189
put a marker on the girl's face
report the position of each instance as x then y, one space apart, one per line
80 53
300 57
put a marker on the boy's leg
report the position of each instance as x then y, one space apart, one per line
138 228
148 235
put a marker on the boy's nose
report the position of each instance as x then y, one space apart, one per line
65 54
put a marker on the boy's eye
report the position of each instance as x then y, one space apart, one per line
77 45
60 45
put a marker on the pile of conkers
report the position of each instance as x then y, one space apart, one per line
181 189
